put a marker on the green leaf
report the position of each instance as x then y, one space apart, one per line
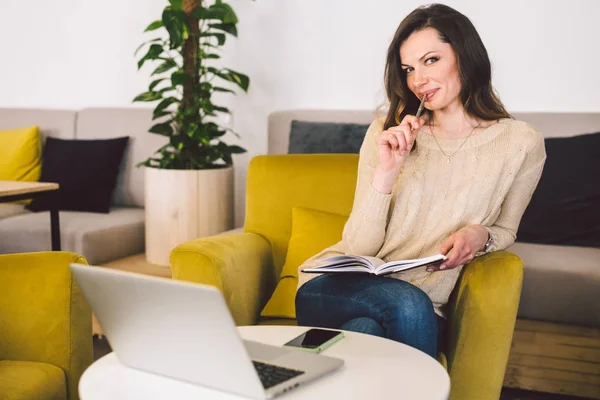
166 89
148 96
153 53
163 105
240 79
155 83
222 89
145 43
220 37
207 14
156 115
177 4
154 26
213 56
236 149
164 128
174 21
218 134
179 78
232 76
164 67
229 16
208 44
208 108
222 109
229 28
227 158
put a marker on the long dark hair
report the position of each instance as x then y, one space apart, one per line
477 94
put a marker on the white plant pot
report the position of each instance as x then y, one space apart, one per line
183 205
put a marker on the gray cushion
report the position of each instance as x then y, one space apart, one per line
326 137
560 284
100 238
10 209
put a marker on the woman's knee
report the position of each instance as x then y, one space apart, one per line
364 325
411 304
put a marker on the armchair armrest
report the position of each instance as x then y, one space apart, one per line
238 264
482 314
43 314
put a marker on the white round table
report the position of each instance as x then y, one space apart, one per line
374 368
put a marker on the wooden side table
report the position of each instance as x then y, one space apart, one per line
16 190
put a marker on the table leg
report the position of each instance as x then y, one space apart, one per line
54 221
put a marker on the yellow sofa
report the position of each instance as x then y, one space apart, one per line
45 327
246 266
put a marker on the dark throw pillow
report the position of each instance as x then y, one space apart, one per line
86 171
565 207
325 137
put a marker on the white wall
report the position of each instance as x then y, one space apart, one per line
298 53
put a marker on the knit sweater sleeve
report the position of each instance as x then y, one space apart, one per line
365 229
504 229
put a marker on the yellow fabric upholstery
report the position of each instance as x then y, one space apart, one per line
312 231
278 183
20 154
483 306
26 380
239 264
44 319
482 312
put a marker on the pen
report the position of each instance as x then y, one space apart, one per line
420 109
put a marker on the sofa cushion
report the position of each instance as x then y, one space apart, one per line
106 123
86 171
312 232
560 283
26 380
326 137
100 239
20 158
564 209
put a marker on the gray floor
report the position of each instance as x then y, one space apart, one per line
102 348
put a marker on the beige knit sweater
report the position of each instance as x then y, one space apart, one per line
489 181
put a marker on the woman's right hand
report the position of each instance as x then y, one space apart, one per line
393 147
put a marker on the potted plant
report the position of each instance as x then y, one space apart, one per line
189 181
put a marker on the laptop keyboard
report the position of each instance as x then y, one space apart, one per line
271 375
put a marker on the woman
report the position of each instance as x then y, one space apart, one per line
455 181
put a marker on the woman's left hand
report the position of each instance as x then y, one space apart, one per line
461 247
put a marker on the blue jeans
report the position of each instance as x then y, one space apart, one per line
375 305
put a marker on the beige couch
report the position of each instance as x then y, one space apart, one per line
99 237
561 283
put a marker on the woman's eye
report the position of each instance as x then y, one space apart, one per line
408 70
431 60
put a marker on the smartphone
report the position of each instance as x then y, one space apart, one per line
315 340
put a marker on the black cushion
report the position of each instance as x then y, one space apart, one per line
325 137
86 171
565 207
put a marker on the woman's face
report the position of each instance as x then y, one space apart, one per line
431 69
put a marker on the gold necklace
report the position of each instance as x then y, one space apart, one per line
459 147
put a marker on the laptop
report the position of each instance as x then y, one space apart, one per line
185 331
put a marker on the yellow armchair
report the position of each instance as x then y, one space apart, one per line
45 327
246 266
